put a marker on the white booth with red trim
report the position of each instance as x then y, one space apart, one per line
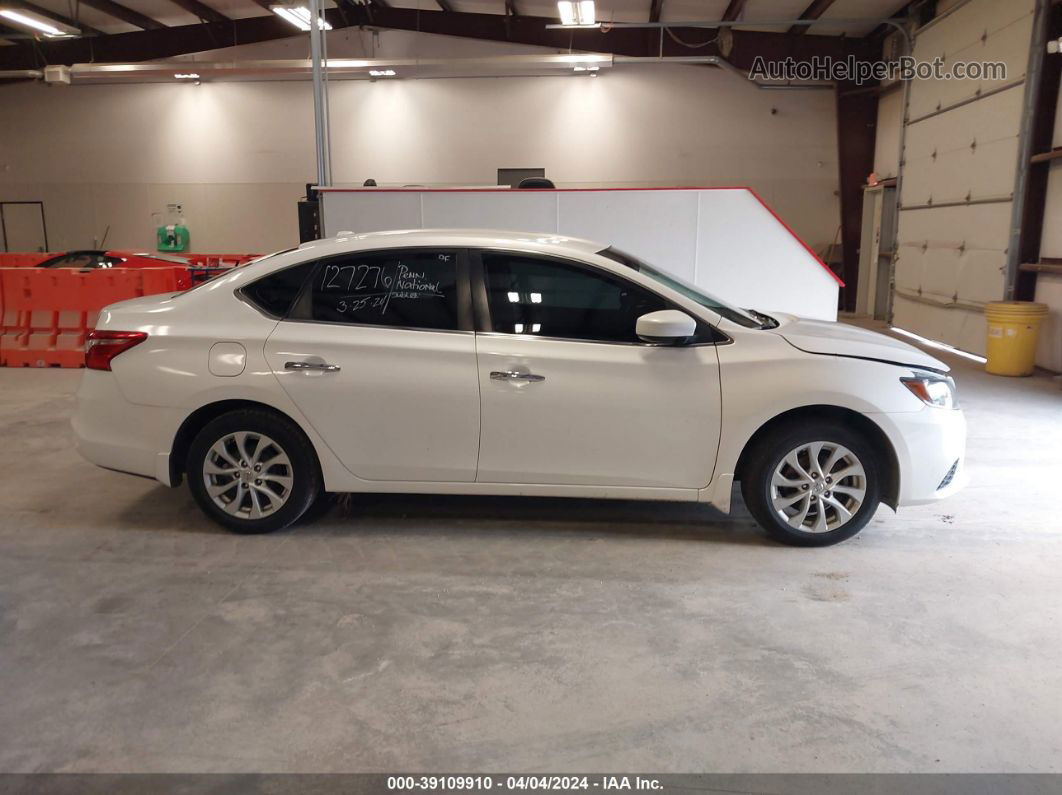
725 240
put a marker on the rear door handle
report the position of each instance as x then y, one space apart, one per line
329 368
513 375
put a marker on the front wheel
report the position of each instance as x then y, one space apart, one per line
253 471
813 485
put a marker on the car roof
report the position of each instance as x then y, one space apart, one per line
475 238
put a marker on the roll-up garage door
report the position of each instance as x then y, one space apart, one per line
961 140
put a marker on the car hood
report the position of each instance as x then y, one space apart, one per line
841 339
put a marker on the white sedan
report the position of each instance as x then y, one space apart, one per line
463 362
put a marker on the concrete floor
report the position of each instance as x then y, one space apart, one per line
463 634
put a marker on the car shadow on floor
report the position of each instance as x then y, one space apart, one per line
375 514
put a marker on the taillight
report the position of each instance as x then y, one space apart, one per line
102 346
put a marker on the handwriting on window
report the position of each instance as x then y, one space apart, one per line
376 288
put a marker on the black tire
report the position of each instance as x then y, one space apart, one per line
768 454
302 469
321 506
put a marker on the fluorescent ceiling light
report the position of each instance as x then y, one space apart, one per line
37 23
940 346
299 16
576 12
186 76
585 59
381 72
346 63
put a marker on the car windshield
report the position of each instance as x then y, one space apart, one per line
739 316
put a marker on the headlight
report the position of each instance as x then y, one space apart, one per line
933 390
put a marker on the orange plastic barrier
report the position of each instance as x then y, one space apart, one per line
219 260
46 313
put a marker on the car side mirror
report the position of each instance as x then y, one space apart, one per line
668 326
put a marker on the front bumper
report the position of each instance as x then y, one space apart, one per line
930 448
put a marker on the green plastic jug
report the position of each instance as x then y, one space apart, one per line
173 237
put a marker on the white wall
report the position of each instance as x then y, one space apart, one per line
238 154
724 240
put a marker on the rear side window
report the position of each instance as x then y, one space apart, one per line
276 292
406 288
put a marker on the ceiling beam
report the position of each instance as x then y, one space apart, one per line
733 10
201 10
150 44
180 40
44 12
654 10
813 11
128 15
622 41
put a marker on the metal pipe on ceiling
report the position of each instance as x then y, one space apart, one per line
320 98
347 68
897 24
723 63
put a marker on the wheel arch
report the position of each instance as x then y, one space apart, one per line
861 422
198 419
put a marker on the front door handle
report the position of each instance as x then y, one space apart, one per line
513 375
328 368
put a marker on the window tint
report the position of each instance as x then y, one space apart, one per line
413 288
75 260
536 296
276 292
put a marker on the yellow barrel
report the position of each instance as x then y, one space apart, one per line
1013 327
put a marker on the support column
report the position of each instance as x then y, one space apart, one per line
857 115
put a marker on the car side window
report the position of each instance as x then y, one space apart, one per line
530 295
406 288
76 261
276 292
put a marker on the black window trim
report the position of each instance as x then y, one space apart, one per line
485 324
299 311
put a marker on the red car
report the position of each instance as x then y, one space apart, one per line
89 260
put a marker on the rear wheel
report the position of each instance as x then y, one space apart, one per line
253 471
814 484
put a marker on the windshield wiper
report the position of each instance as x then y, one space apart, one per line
766 321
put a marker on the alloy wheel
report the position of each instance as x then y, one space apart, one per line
247 475
818 487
